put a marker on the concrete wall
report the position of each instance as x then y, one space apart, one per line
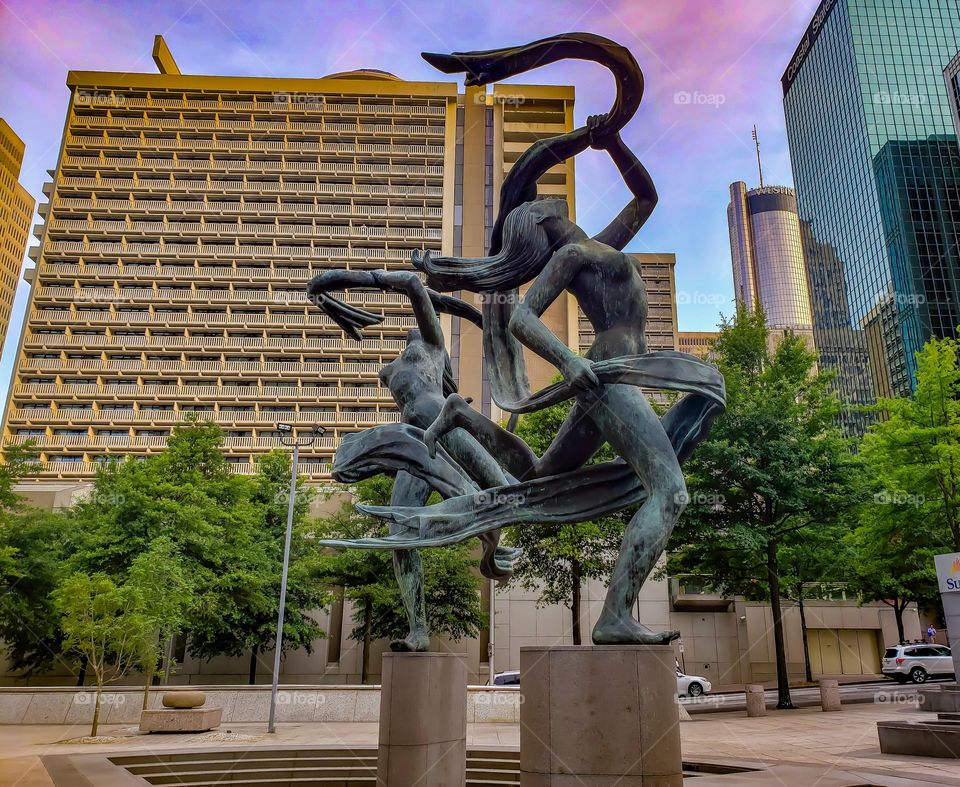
239 703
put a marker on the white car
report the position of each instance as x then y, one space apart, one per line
917 662
692 685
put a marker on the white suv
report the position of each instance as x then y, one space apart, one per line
917 662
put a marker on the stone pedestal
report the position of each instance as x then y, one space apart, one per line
423 720
599 716
756 700
829 694
180 719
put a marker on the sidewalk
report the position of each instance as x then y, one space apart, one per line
847 739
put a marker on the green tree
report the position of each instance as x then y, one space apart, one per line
166 594
774 465
34 547
366 577
913 451
105 624
558 559
222 525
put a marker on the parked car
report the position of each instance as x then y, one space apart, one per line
511 678
692 685
917 662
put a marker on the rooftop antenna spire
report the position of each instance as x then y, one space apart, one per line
756 140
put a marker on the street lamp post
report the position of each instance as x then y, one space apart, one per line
288 437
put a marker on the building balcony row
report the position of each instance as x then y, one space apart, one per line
128 441
174 392
265 368
247 207
50 292
221 140
236 230
60 273
229 251
217 122
39 416
201 318
293 132
280 101
87 469
296 344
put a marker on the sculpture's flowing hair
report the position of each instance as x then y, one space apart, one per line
525 251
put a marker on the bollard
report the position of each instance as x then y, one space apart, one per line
829 695
756 702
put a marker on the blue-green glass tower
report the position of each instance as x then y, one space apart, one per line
876 167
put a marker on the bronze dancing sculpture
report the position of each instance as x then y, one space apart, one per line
534 242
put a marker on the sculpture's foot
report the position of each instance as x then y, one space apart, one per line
414 642
449 419
611 630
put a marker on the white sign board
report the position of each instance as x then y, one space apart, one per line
948 572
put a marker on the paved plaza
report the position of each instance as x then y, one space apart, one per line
847 740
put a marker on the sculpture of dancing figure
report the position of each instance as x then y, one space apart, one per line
418 380
534 242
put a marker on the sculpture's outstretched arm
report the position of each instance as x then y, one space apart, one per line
628 222
426 302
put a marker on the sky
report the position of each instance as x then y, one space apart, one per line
712 70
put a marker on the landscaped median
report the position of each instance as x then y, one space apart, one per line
306 703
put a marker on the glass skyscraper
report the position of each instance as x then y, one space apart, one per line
877 172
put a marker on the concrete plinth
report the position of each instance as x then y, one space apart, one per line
599 716
829 695
423 720
180 719
756 700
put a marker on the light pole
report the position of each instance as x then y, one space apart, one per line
289 437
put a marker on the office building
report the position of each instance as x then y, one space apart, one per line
766 250
186 215
951 75
877 174
16 212
699 343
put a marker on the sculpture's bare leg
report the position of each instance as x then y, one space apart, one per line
634 431
577 440
409 490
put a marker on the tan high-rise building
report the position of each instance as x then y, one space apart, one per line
185 217
699 343
16 211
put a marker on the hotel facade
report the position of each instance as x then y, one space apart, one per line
186 215
16 213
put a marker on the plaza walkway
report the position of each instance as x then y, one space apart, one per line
847 739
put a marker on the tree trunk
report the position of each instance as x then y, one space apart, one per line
148 679
96 710
576 579
803 629
773 578
365 655
82 674
252 673
898 616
